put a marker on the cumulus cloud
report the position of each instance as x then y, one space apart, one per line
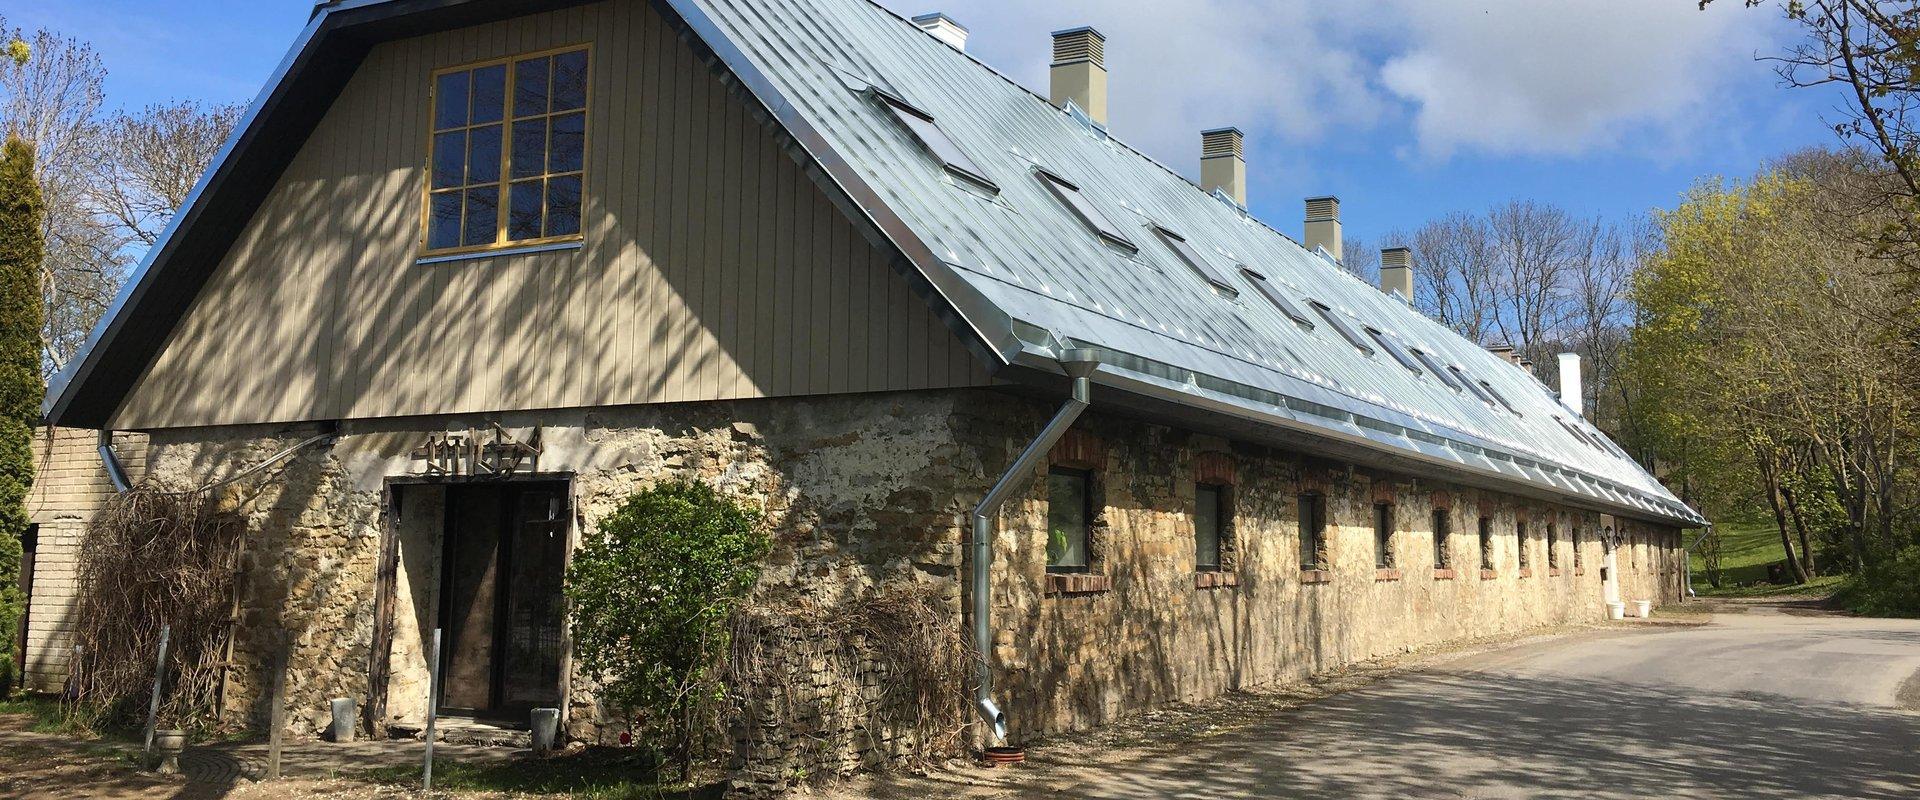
1498 77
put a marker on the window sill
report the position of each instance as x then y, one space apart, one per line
1215 580
551 247
1443 573
1487 574
1316 576
1554 572
1526 572
1384 574
1061 583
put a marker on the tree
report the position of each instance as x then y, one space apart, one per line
154 159
21 250
1456 256
652 597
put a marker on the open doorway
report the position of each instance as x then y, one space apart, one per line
503 555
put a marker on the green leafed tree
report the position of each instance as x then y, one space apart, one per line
21 388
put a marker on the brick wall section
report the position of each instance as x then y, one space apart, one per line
70 484
866 490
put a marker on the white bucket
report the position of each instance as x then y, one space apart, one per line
1616 610
1644 607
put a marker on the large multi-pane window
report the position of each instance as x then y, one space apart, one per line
507 161
1069 509
1209 516
1313 531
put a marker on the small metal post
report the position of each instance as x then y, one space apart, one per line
153 705
433 709
277 714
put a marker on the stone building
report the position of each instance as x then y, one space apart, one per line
486 267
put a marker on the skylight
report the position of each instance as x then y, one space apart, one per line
922 125
1460 376
1434 366
1276 297
1500 397
1394 349
1340 324
1184 249
1084 209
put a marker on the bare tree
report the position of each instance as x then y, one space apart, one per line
1539 249
1455 286
154 158
1360 258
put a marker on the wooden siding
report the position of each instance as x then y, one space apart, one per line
711 268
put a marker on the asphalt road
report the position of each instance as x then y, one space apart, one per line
1764 704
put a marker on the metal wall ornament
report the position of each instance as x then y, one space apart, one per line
474 455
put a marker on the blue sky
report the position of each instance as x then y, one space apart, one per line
1406 109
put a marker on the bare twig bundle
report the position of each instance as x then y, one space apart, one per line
150 559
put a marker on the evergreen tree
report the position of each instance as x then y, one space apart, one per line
21 388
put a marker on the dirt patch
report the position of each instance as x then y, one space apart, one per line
1909 696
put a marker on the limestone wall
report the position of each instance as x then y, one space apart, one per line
867 490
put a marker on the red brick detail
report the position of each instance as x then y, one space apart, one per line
1443 574
1383 492
1077 583
1214 468
1487 506
1215 580
1079 450
1386 575
1486 574
1522 515
1313 483
1526 572
1316 576
1443 499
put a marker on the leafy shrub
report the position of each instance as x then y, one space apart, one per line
651 598
1889 588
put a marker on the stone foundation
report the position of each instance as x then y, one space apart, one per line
871 491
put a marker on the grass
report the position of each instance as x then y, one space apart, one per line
1745 551
591 774
48 716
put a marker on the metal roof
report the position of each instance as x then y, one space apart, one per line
1017 268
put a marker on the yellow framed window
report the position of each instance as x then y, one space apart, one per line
507 160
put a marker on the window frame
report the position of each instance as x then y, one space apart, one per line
1437 367
1184 250
1442 538
1384 556
1500 398
1574 537
1394 349
1312 508
1521 556
1486 543
1070 195
503 209
1265 287
1340 325
926 128
1222 516
1086 520
1553 550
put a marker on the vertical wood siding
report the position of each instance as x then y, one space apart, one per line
712 268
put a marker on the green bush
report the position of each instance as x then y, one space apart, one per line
651 597
1889 588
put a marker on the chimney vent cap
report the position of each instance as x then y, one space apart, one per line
1075 45
1396 257
1221 142
1323 208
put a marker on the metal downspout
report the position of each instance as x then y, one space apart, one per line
1686 558
1079 365
111 460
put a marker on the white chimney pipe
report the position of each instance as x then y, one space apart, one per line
1570 389
944 28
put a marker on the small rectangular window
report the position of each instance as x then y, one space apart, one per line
1520 544
1083 208
1486 543
1313 532
1500 398
1339 323
1460 376
1439 371
1553 547
1069 509
1207 517
1442 536
1196 262
935 140
507 159
1577 557
1276 297
1383 535
1394 349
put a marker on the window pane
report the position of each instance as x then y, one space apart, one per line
1067 519
483 216
450 100
570 81
483 155
1198 263
443 221
489 93
526 204
1394 349
449 159
566 146
1206 527
1339 323
530 86
1274 296
529 149
1085 210
563 206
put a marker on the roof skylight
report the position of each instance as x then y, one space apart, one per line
935 140
1394 349
1339 323
1502 399
1276 297
1439 370
1083 208
1184 249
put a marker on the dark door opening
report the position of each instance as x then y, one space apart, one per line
502 561
30 549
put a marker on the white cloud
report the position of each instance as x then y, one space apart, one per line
1497 77
1564 77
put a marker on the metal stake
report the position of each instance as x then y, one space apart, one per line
433 710
153 706
277 714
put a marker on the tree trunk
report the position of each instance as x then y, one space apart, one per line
1772 479
1800 526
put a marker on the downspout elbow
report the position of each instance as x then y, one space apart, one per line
116 473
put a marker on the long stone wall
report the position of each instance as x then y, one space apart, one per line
866 491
